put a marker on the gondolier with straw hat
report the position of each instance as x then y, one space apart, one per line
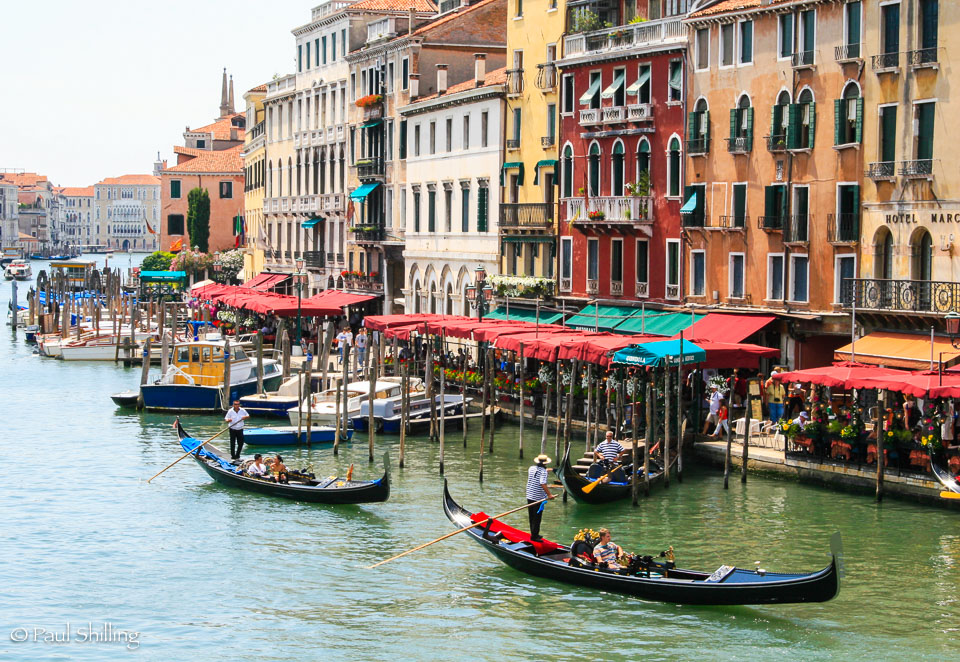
537 490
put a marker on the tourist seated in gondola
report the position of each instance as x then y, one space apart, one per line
608 552
581 550
257 468
279 470
609 451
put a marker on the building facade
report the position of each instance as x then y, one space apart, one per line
254 156
78 216
9 216
37 206
452 203
126 213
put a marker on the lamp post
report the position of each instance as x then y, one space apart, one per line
299 278
480 293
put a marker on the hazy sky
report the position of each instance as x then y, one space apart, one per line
95 88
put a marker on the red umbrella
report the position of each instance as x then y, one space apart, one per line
925 384
845 374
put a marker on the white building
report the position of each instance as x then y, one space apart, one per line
77 212
9 228
127 213
452 193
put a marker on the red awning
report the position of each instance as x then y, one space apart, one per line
339 298
725 327
925 384
735 355
838 375
383 322
594 348
265 282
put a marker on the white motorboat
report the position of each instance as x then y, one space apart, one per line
18 270
324 404
98 347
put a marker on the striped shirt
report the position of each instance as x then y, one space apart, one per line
609 449
536 479
606 552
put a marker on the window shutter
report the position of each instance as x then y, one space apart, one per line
813 124
769 201
482 194
838 121
773 121
692 125
859 130
402 147
749 121
706 131
855 194
733 122
793 125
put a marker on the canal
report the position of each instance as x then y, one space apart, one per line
198 569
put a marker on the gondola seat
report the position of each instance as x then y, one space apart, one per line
541 547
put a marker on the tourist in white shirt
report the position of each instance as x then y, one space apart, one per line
235 418
344 339
258 469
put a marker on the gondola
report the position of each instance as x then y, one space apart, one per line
948 480
574 483
333 489
728 585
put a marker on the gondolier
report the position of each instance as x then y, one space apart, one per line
537 490
235 417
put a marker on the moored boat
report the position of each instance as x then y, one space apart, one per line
275 403
98 347
649 580
332 490
324 404
290 435
419 414
18 270
618 488
947 479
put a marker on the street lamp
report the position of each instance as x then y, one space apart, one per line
480 293
952 320
299 277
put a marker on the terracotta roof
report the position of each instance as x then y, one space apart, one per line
446 18
259 88
226 160
395 5
221 128
27 197
495 77
77 191
726 6
189 151
130 180
23 179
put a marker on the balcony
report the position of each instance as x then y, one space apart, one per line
923 57
332 202
885 62
373 112
881 170
526 216
256 131
907 296
639 112
796 230
739 145
777 143
695 219
921 169
727 222
529 287
313 259
593 286
590 117
370 168
546 76
548 141
566 284
847 53
698 146
616 288
771 223
673 292
642 290
514 82
803 60
613 114
513 143
331 133
660 33
367 233
843 228
610 212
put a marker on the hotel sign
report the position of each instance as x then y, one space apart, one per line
937 216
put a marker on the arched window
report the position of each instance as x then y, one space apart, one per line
781 116
568 171
321 175
416 296
741 126
883 254
643 160
922 256
804 120
616 163
290 176
279 177
701 125
594 166
849 115
673 167
299 172
270 179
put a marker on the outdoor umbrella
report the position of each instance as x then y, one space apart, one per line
661 353
843 375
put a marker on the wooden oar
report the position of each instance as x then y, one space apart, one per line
587 489
192 450
950 495
466 528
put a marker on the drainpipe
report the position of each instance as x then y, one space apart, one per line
683 179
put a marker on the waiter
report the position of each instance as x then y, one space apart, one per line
537 490
235 418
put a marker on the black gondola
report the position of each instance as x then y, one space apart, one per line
948 480
728 585
327 490
574 483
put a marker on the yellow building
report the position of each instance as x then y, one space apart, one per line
254 169
528 210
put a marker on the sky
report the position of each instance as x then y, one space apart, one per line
95 88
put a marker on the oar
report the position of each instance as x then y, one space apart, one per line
587 489
466 528
192 450
950 495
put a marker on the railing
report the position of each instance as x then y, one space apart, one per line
698 146
639 112
739 145
313 259
329 256
642 290
331 133
339 258
590 117
803 59
373 112
613 114
885 61
514 81
616 288
614 209
916 296
256 131
513 143
593 286
923 57
728 222
881 170
694 220
673 292
369 233
533 215
566 284
332 201
370 167
796 231
843 228
920 168
548 141
625 37
770 223
847 52
777 143
546 76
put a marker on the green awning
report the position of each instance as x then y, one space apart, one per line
371 124
512 164
524 315
614 86
528 239
588 95
644 77
690 206
361 192
543 163
162 276
604 318
311 222
658 323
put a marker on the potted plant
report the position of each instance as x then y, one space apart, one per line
596 215
369 100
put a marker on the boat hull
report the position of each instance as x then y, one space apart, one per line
574 484
288 436
270 406
197 399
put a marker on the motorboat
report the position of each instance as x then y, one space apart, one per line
418 411
276 403
99 347
323 405
18 270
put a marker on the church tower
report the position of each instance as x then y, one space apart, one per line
225 105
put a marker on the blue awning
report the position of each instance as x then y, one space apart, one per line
311 222
663 352
690 205
361 192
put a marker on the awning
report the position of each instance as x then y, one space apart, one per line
690 205
361 192
588 95
544 163
727 327
528 239
311 222
928 384
26 237
265 282
614 86
162 276
839 375
900 350
723 355
339 298
524 315
635 87
602 318
512 164
662 353
658 323
371 124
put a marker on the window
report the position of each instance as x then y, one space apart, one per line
466 132
929 28
775 276
333 47
465 207
785 34
175 224
447 208
801 125
703 49
726 45
391 75
449 136
483 198
416 211
226 189
201 144
746 42
848 116
924 114
516 125
643 161
616 90
848 213
888 133
673 269
890 33
593 164
852 14
593 259
844 270
591 98
343 43
433 137
404 74
698 127
552 122
697 217
643 261
673 167
175 189
416 140
432 210
736 275
567 172
676 81
642 87
308 55
616 164
741 126
389 150
799 278
568 94
519 8
698 273
739 205
484 125
774 206
807 37
299 57
566 258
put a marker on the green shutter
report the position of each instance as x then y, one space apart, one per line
482 194
733 122
859 130
402 147
782 191
706 134
749 128
888 135
769 201
838 121
739 205
432 211
925 137
793 125
855 191
773 120
813 124
692 125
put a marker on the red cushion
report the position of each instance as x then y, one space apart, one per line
516 535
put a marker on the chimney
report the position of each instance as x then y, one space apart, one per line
441 78
224 102
233 133
411 16
480 68
414 85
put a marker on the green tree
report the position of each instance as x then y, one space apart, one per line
198 218
157 261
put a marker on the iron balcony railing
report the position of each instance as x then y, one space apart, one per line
777 143
771 223
372 167
881 170
847 52
548 141
546 76
513 143
514 81
739 144
728 222
698 146
885 61
913 296
796 230
696 219
919 168
922 57
843 228
369 233
532 215
803 59
313 259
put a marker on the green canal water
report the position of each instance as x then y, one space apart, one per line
204 571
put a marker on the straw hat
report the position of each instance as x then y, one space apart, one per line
542 459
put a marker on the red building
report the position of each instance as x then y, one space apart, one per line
621 157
